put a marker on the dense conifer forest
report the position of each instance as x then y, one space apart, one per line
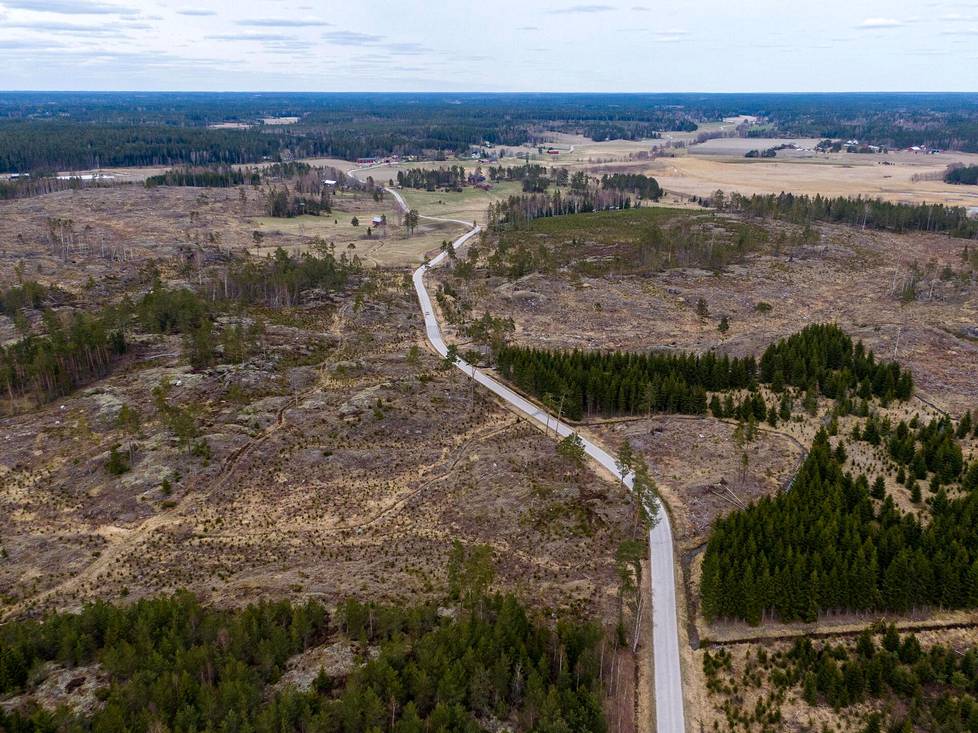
20 188
49 145
453 177
218 177
824 356
618 383
825 546
175 665
821 359
645 187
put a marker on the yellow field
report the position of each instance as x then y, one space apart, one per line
888 176
387 246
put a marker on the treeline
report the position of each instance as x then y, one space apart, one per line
216 177
891 120
819 358
429 179
601 131
966 174
282 204
855 212
277 281
518 211
535 178
176 665
280 280
824 356
589 383
29 145
38 185
881 665
58 131
70 353
290 169
307 178
823 546
645 187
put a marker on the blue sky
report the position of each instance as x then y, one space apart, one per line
490 45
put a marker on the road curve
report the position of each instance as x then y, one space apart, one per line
669 711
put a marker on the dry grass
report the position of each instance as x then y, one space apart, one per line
888 176
351 479
851 277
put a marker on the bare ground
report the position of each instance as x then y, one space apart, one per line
351 478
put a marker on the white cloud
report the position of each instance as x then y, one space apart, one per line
250 37
582 9
59 27
70 7
282 22
879 23
9 43
351 38
407 49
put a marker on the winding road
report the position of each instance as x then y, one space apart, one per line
669 711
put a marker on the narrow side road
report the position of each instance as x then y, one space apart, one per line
669 711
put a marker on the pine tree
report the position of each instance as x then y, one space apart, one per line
915 496
879 488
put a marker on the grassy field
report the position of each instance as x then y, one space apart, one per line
388 245
336 227
470 204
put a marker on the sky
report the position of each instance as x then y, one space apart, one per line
488 45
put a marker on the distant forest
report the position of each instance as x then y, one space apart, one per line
82 130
